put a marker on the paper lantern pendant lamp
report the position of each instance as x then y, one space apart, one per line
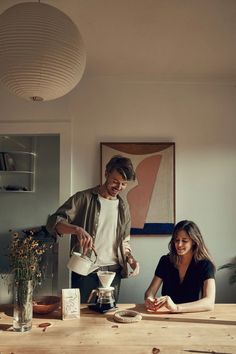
42 55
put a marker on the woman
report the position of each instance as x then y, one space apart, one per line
187 274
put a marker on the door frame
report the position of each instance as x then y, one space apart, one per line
63 129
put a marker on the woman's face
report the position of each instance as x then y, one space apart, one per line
183 243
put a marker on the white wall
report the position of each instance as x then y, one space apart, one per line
199 118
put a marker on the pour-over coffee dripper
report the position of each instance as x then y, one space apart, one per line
102 299
106 277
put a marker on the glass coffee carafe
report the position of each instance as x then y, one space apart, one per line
102 299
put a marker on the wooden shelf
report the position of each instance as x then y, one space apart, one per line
17 170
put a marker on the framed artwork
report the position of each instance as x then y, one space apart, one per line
151 197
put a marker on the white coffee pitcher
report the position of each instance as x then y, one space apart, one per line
81 264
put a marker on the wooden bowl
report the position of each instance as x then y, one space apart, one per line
46 304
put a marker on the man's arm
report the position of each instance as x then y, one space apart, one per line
134 265
61 222
85 240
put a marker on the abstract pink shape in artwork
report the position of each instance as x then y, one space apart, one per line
139 197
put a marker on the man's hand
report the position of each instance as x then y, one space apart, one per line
85 240
134 265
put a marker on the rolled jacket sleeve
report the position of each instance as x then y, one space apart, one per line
66 212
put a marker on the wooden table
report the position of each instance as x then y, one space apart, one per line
164 333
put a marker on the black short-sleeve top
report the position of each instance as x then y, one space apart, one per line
191 287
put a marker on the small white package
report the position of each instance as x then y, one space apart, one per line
70 303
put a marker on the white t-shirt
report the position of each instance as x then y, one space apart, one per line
105 242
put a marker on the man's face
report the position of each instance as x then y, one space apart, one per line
115 183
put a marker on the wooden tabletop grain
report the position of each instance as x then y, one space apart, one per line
165 333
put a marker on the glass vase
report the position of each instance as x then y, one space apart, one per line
23 305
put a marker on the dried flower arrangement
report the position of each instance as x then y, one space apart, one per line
27 268
25 255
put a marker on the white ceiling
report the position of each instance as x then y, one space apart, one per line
159 40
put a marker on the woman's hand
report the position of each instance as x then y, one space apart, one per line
167 302
150 303
154 304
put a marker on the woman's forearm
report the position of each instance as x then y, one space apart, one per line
205 304
149 294
153 288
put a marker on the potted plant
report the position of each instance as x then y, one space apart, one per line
232 267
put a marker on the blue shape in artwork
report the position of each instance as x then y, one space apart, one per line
154 229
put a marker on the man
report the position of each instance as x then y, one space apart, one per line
100 219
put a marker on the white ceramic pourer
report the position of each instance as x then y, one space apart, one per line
81 264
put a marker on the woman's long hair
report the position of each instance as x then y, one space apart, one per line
200 250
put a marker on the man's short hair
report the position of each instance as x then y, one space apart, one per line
123 165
